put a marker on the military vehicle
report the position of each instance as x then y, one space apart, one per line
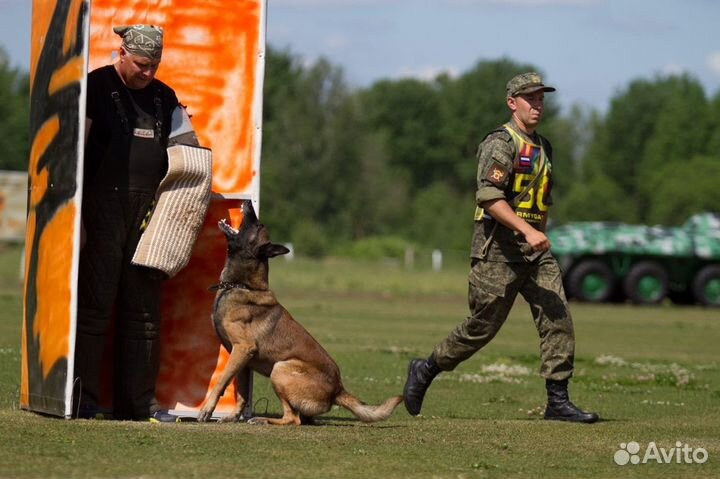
604 262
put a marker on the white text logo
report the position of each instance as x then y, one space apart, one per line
629 453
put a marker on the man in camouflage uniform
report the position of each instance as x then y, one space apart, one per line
510 255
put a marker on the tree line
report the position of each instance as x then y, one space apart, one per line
394 163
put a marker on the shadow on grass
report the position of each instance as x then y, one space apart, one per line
599 421
326 421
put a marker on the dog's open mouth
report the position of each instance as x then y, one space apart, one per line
226 228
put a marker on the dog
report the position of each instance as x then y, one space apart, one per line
262 335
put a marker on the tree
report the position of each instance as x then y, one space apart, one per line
443 218
652 124
682 124
14 116
687 188
570 136
299 112
322 165
713 146
596 199
682 130
398 158
377 201
406 113
621 142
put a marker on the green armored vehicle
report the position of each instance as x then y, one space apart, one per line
612 262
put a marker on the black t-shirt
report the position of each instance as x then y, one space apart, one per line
117 154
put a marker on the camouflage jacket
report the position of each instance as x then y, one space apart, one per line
508 161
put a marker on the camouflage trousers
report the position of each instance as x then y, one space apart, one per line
493 287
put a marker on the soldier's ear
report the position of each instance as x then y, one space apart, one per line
270 250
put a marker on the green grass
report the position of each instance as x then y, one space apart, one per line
652 373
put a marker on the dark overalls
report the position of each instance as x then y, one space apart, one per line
119 190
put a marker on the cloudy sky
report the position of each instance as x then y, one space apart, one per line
589 49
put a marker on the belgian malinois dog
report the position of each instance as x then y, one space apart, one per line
262 335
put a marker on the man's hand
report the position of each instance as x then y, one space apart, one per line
502 212
537 240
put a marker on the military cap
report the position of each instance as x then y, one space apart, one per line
526 83
142 40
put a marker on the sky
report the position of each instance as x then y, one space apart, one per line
590 50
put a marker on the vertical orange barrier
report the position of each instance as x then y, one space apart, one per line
213 58
57 79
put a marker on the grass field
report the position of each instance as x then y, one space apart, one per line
652 374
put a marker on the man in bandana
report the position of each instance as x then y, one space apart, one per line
511 256
131 117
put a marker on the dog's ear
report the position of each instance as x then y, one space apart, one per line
270 250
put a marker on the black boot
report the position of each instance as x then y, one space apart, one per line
420 375
559 407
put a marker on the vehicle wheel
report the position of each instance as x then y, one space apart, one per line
591 281
706 285
646 283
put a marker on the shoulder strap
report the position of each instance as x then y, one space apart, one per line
521 196
545 143
158 114
119 107
121 111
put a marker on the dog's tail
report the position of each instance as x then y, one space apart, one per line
365 412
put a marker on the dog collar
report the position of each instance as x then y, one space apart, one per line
225 285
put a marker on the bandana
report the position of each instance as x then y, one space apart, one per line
142 40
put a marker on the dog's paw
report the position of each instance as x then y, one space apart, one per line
230 418
204 415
